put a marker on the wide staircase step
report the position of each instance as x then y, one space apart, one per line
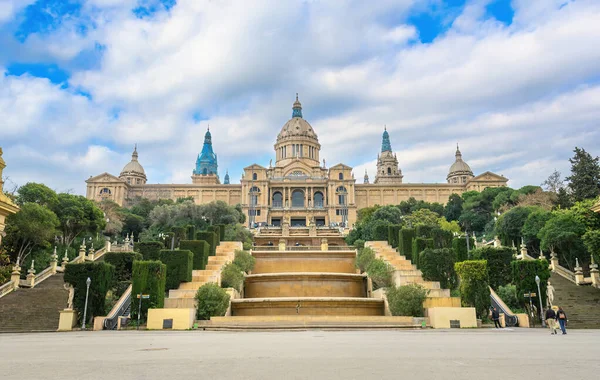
580 303
35 309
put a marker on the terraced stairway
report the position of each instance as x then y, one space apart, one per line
183 297
581 303
405 272
36 309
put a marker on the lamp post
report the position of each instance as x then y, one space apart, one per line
87 293
537 281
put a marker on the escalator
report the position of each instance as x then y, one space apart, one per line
121 309
510 319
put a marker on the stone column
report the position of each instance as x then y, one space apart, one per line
523 250
108 244
65 260
594 273
578 273
15 276
81 252
54 261
553 261
324 245
282 244
31 275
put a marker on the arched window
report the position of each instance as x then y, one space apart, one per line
341 189
297 198
341 176
105 191
254 176
318 199
254 193
277 199
389 170
464 179
341 193
455 180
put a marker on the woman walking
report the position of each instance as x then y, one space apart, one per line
561 317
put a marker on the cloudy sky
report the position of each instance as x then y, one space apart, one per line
516 83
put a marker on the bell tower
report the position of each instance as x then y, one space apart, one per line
388 171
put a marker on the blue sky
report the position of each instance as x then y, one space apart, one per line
514 82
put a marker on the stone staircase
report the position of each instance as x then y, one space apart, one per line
183 297
405 273
581 303
35 309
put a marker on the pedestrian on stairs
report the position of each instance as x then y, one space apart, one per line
496 318
561 317
551 320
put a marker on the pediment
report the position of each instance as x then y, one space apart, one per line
341 166
255 167
298 166
104 177
489 176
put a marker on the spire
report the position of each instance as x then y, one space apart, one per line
297 108
134 155
226 182
386 146
206 163
366 176
458 153
208 136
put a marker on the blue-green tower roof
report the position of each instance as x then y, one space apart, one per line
206 163
386 146
226 182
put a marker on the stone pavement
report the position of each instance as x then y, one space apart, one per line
390 354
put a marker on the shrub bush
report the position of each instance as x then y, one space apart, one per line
441 238
498 264
217 232
381 232
221 231
150 250
209 237
212 301
123 263
179 267
438 265
101 274
508 294
244 260
424 231
418 246
246 246
232 276
406 300
190 232
460 248
380 273
393 235
149 277
180 234
523 275
405 239
474 285
200 250
359 244
364 257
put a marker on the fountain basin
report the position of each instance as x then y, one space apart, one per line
305 284
307 306
304 261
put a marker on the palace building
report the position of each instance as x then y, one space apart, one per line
297 189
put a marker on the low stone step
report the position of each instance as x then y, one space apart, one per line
214 267
182 293
204 279
203 272
180 303
433 293
190 285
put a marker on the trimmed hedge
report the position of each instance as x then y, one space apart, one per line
200 249
179 267
180 234
460 248
418 246
424 231
149 277
381 232
168 240
474 285
221 232
150 250
212 301
441 238
101 274
191 232
498 262
523 276
438 265
123 263
405 238
393 235
209 237
217 231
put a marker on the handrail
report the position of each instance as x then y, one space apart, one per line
6 288
43 275
112 319
564 272
510 319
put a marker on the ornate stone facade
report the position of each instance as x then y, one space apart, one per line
298 190
7 207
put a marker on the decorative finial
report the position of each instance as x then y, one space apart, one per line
297 108
296 96
208 128
385 127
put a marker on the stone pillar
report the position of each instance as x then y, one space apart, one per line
523 250
15 276
65 260
91 254
594 273
553 261
54 261
282 244
578 273
324 245
82 252
31 275
108 244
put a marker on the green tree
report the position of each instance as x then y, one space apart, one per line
133 224
510 224
37 193
31 227
453 208
423 217
535 222
584 180
390 214
554 182
591 240
562 234
77 215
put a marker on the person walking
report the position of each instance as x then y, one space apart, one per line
496 318
551 320
561 317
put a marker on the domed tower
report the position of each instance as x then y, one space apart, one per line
206 170
226 180
133 173
297 140
388 171
459 172
366 177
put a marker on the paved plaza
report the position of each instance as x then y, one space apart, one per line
433 354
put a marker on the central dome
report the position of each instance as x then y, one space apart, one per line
297 126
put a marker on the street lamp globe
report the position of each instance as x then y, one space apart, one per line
537 279
88 281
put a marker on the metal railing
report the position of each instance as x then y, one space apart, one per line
510 319
120 308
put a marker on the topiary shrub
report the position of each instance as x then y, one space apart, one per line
438 265
217 231
212 301
150 250
359 244
380 232
101 274
180 234
523 275
169 240
190 232
441 238
244 260
209 237
508 294
406 300
498 262
364 257
418 246
232 276
474 285
380 273
393 235
123 263
405 238
459 245
149 277
200 250
179 267
221 231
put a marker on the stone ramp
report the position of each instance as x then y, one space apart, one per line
581 303
35 309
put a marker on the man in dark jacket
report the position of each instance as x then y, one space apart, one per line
496 318
561 317
551 320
